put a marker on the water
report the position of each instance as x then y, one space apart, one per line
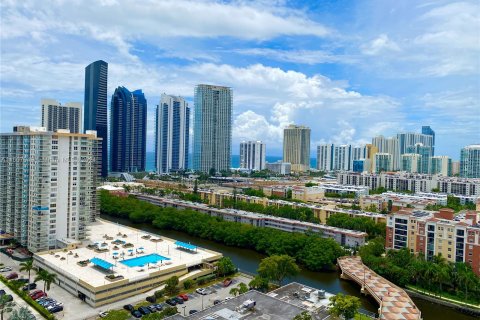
247 260
141 261
150 165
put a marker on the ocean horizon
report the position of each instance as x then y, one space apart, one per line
150 165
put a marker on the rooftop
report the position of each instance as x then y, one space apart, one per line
112 251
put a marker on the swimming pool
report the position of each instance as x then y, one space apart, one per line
144 260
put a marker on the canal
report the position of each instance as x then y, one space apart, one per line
247 260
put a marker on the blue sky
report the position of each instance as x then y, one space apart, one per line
348 69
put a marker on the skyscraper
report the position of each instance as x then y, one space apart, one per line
296 147
409 139
325 157
57 116
426 154
470 161
49 185
429 131
388 145
441 165
128 131
95 105
383 162
411 162
172 134
252 155
212 138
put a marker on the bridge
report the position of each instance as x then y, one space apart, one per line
395 304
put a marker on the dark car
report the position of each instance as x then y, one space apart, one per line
144 310
178 300
171 302
56 309
192 311
159 306
137 314
215 302
151 299
9 298
152 308
29 287
128 307
2 292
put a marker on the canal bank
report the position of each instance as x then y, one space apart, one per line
248 260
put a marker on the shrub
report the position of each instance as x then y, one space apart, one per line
187 284
159 293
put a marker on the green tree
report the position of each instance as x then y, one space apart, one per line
21 314
303 316
212 172
5 305
225 266
259 283
195 186
277 268
27 266
171 286
189 283
242 288
344 305
46 277
234 291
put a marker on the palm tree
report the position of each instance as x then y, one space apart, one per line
27 266
46 277
21 314
5 305
234 291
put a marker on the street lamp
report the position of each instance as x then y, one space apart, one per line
184 310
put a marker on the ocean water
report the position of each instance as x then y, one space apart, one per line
235 160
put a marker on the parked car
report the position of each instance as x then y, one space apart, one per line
12 276
2 292
192 311
201 291
144 310
215 302
29 287
128 307
228 298
5 269
183 296
178 300
56 309
227 282
9 298
151 299
137 314
54 305
171 302
22 280
39 295
103 314
34 292
159 306
152 308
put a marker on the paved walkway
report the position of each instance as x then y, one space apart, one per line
394 302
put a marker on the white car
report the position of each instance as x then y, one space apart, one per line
228 298
103 314
5 269
202 291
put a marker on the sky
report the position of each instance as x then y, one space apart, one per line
350 70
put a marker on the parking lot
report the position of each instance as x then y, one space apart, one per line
75 309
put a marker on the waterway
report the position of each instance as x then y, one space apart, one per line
247 260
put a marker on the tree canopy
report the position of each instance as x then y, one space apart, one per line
344 305
277 268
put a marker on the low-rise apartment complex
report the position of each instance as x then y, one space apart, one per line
455 237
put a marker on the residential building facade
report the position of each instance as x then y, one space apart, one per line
57 116
128 131
411 162
279 167
212 137
48 184
441 165
172 134
383 162
390 146
296 147
95 106
470 161
252 155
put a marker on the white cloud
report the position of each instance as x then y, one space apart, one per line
298 56
381 44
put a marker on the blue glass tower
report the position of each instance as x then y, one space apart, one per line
128 131
429 131
95 106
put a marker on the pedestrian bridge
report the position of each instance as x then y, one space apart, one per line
394 301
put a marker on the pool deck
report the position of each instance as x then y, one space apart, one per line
95 276
395 304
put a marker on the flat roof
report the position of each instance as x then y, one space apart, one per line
125 243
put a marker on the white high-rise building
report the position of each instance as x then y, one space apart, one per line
212 137
388 145
57 116
325 157
172 134
383 162
359 152
252 155
48 182
441 165
411 162
342 156
470 161
296 147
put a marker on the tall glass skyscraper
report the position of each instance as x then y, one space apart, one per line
429 131
172 134
95 106
470 161
296 147
212 128
128 131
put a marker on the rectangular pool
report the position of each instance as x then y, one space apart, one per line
144 260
